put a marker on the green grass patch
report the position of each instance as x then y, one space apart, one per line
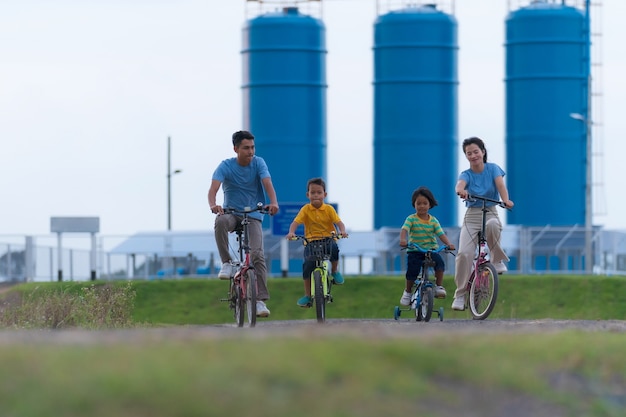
558 374
197 301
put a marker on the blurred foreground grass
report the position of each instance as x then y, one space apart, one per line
247 373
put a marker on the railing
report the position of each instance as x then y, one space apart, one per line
533 250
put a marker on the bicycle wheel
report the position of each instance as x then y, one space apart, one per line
318 295
251 296
483 291
238 302
424 310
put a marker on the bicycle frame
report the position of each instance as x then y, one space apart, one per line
482 286
243 284
422 297
320 249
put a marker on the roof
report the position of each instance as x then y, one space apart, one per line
177 244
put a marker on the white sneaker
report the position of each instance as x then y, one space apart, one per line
262 310
440 292
226 271
406 298
501 267
459 303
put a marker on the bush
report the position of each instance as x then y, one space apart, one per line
91 307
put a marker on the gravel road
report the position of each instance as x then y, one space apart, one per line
381 328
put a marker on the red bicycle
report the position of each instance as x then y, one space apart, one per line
242 291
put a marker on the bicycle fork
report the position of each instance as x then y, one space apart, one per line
326 285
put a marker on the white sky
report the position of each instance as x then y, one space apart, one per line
90 91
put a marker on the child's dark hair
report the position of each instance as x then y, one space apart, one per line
425 192
316 181
478 142
240 135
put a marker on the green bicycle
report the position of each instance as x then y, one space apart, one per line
321 282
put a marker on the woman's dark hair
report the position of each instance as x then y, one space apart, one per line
240 136
478 142
426 193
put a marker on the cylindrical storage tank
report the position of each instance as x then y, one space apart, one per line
284 97
547 69
415 113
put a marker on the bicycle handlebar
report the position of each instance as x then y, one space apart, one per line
307 240
420 249
471 197
247 210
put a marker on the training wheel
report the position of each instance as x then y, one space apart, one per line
396 313
440 313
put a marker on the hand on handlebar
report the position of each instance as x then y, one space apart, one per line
272 209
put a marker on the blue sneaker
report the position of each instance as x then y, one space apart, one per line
338 278
305 301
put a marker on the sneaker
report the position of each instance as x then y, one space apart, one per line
440 292
459 303
338 278
501 267
226 271
305 301
406 298
262 310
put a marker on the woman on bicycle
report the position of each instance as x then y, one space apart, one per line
483 179
422 229
320 220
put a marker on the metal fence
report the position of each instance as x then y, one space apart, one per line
532 250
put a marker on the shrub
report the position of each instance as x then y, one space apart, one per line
91 307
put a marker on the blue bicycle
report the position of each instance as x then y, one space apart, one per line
423 290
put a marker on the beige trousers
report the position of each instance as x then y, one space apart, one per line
468 244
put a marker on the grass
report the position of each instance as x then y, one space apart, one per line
197 301
186 371
520 297
553 374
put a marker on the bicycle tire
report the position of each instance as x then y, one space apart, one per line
424 310
318 295
483 292
251 296
239 305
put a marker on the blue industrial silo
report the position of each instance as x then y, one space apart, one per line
284 97
547 113
415 112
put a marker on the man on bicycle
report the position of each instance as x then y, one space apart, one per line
246 179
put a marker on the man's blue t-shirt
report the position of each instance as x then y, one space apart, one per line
242 184
482 184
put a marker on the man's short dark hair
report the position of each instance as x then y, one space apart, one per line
241 135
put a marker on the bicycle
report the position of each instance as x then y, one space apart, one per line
242 291
321 284
423 290
482 285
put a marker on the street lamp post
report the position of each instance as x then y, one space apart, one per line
588 194
169 183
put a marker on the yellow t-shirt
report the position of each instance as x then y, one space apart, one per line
318 222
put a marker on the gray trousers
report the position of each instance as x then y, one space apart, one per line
468 242
227 223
